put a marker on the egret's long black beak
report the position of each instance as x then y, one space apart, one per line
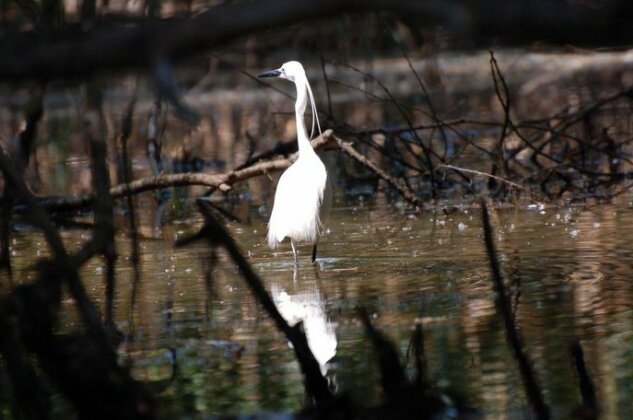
272 73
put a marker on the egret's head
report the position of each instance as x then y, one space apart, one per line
290 70
293 71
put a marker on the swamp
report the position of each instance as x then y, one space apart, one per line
476 261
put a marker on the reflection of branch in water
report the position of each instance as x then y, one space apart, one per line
590 408
415 351
532 386
419 398
391 370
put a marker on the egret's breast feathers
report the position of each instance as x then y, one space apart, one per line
298 201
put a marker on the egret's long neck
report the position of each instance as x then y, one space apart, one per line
300 108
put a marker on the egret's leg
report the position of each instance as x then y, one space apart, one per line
317 270
294 252
314 247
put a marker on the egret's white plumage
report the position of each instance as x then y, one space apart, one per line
303 194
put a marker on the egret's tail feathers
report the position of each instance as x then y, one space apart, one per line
272 237
273 240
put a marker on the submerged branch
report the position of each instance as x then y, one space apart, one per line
403 190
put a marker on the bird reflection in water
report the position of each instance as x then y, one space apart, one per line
307 306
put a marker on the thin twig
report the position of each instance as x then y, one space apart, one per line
327 85
403 190
498 178
503 95
425 149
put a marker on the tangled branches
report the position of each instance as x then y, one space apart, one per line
580 153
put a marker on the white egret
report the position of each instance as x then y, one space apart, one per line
303 194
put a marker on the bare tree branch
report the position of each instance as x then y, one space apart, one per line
117 48
224 182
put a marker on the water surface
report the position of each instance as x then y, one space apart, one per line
569 272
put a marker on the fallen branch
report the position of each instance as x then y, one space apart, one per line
224 182
405 192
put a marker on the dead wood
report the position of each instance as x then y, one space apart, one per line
224 182
104 230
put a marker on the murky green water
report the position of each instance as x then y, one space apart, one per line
570 271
